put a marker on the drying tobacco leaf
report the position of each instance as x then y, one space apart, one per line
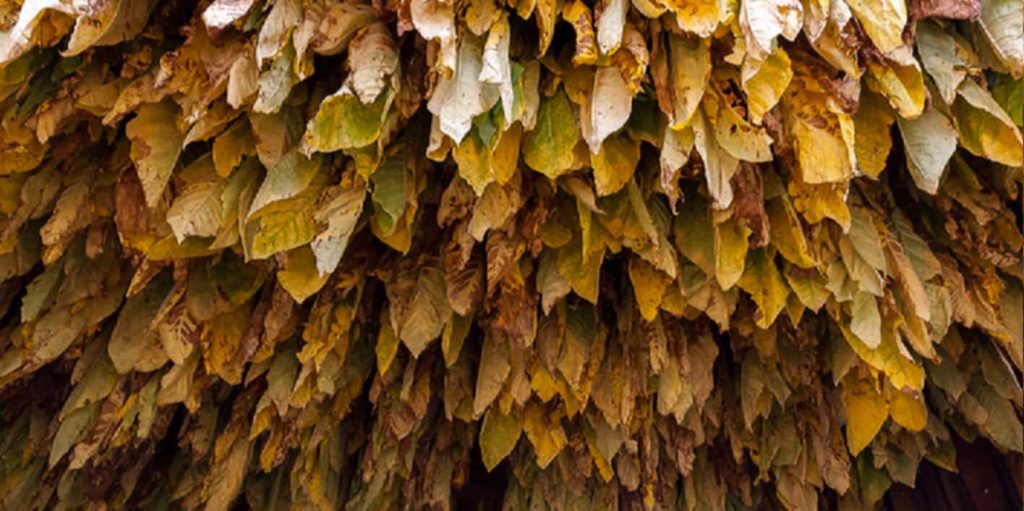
651 254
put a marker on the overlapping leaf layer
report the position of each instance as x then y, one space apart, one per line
646 254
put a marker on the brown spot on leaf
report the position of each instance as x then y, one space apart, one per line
130 214
952 9
749 203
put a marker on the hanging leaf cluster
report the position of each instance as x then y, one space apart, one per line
646 254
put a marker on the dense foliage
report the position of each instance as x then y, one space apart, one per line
647 254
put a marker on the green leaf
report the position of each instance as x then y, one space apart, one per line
40 293
71 430
391 184
499 434
291 176
549 147
1003 424
345 122
985 128
929 142
133 344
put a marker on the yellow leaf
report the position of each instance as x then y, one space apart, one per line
866 412
901 83
838 45
505 155
544 386
908 409
578 15
873 140
765 81
231 146
649 285
733 133
473 158
699 17
823 141
883 20
168 248
493 208
481 15
808 286
546 15
545 433
614 163
685 69
818 202
582 271
221 339
21 151
287 226
762 280
453 337
787 233
197 211
890 356
300 277
730 252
